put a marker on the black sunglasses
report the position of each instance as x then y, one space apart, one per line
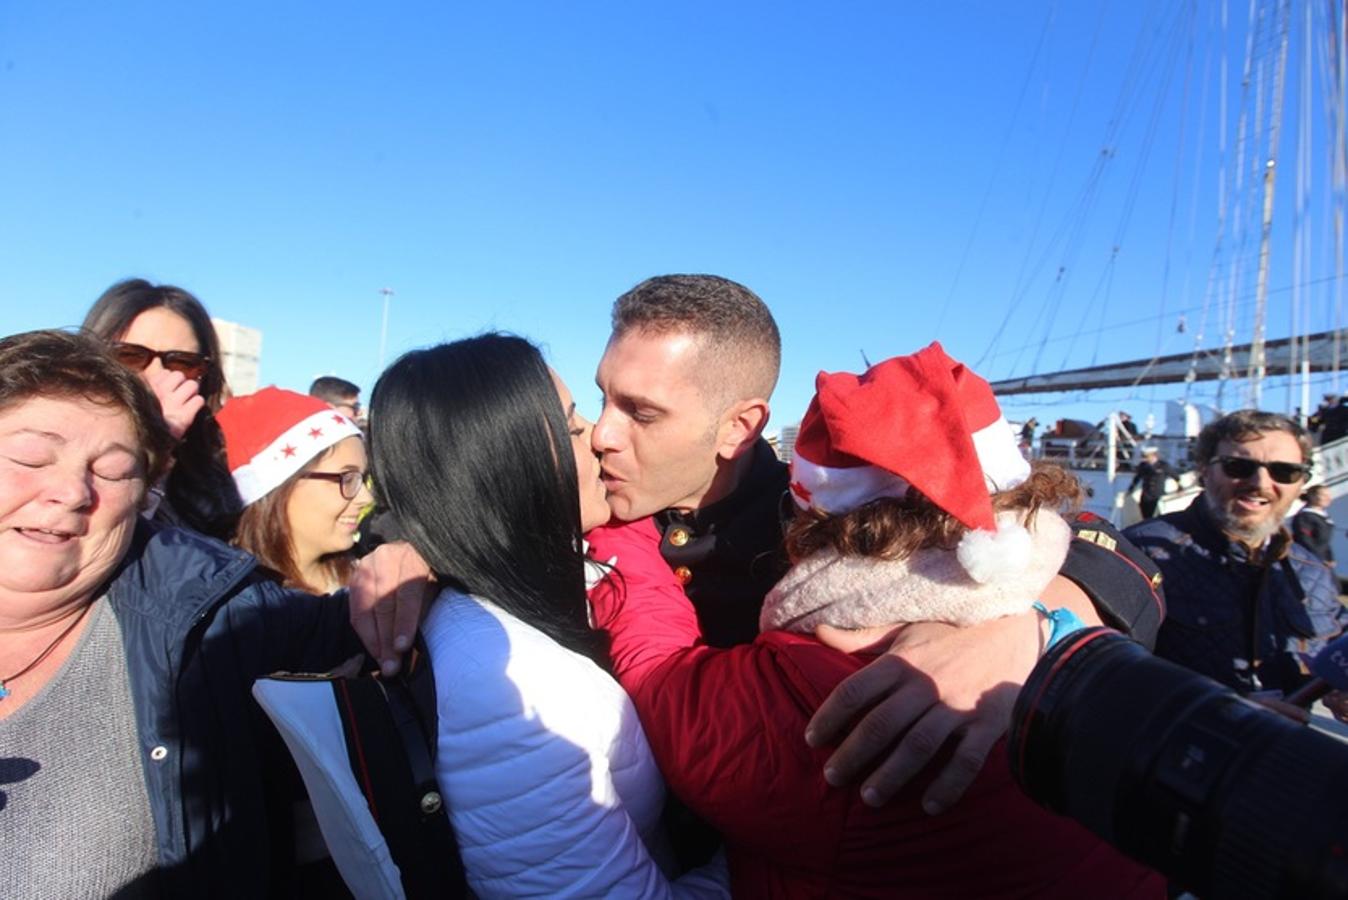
1281 472
348 482
134 356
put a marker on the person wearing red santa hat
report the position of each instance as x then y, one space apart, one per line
915 511
300 470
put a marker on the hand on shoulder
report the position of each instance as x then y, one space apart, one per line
935 683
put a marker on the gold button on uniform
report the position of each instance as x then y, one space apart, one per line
684 574
678 536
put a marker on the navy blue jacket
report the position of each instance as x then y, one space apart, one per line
1225 610
199 626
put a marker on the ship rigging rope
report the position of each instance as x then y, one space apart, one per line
1068 130
1231 294
1076 229
994 177
1264 39
1205 393
1301 225
1335 96
1267 54
1135 185
1245 304
1223 204
1176 181
1066 240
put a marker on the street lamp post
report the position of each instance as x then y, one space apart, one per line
383 331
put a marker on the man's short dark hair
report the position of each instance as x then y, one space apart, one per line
1313 492
331 389
735 327
1247 425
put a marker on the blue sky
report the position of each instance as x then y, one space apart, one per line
882 174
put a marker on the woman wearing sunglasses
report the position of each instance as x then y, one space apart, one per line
299 466
165 334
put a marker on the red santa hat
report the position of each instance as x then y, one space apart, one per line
272 434
923 421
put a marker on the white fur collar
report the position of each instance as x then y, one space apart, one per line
929 586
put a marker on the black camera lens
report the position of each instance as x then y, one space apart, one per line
1223 796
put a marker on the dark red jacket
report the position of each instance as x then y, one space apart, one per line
727 727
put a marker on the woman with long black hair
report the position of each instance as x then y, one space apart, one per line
478 450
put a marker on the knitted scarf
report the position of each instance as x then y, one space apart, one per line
929 586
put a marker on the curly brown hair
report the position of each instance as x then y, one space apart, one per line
896 528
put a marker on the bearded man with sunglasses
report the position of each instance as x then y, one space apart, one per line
1244 601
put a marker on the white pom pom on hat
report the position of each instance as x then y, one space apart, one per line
925 421
987 555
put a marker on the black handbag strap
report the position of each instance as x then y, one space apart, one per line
390 729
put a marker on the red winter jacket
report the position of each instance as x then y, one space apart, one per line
727 727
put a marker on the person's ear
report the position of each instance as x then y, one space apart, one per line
741 426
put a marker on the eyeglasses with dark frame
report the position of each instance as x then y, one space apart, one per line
137 358
349 482
1241 467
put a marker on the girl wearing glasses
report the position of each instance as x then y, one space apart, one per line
165 334
299 466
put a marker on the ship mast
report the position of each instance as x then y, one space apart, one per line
1258 368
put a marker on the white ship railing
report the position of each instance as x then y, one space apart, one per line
1109 495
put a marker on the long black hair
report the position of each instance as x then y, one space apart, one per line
470 450
200 491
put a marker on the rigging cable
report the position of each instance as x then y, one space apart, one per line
1083 203
995 177
1301 229
1134 186
1070 233
1066 133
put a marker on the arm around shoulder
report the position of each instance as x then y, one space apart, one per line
286 630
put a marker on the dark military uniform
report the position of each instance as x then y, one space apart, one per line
729 554
1152 477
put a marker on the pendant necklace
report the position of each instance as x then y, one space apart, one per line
4 691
